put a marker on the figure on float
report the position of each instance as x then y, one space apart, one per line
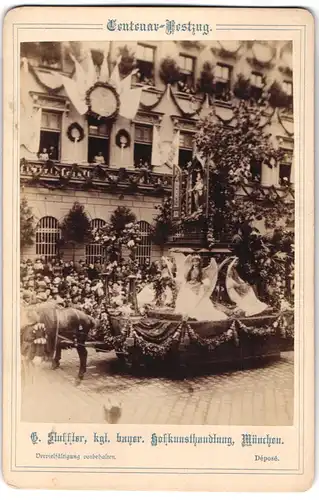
241 293
193 299
147 296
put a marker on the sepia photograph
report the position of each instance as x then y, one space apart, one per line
157 232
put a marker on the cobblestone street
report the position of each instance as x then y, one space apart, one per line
255 396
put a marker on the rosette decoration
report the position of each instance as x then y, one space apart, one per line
104 95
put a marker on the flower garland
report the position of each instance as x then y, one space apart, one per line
180 109
129 341
38 80
212 343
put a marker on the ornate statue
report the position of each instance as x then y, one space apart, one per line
198 190
196 287
241 293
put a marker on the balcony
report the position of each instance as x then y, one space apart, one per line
51 174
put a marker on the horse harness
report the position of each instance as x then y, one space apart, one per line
59 336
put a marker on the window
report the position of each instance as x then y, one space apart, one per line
257 80
143 145
94 251
257 83
45 54
98 142
186 67
255 170
47 235
145 63
222 72
287 88
144 249
284 174
185 154
50 54
222 81
50 134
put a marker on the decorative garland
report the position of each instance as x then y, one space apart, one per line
98 172
268 121
223 52
50 90
225 121
261 64
129 340
75 126
180 109
123 133
150 107
290 134
271 196
211 344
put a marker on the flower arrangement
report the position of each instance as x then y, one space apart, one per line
121 232
206 80
277 98
169 71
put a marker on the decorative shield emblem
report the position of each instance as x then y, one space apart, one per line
103 101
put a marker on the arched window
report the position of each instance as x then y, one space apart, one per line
144 248
47 235
94 251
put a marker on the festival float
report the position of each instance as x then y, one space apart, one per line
198 310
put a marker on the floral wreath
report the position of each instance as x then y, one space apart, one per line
123 133
71 128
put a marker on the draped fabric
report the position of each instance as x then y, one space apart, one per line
129 103
115 76
76 97
30 132
33 144
161 327
155 331
242 294
104 70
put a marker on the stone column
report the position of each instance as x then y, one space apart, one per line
132 297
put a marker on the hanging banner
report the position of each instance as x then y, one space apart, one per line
174 151
156 147
176 192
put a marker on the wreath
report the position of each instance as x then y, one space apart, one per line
105 114
126 135
75 127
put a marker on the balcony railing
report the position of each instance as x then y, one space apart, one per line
88 176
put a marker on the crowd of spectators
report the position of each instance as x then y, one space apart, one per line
78 284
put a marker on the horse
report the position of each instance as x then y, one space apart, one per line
64 328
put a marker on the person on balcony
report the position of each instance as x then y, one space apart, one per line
99 158
145 169
52 153
44 155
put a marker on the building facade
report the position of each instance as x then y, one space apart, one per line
127 158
